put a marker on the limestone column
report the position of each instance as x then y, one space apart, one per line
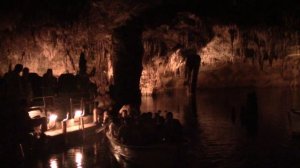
127 55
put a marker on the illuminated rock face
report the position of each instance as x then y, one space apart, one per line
235 57
232 55
54 48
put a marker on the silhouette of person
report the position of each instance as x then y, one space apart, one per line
173 128
66 83
83 81
49 83
13 85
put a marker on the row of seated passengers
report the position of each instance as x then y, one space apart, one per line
145 129
21 81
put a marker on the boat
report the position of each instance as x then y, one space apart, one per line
148 156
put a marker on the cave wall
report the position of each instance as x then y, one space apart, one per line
233 55
260 56
52 47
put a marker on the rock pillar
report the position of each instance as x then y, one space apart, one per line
127 55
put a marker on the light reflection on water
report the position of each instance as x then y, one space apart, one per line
215 131
53 163
78 159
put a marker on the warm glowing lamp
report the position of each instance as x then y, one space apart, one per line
52 118
78 113
52 121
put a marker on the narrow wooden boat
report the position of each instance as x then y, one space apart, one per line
156 155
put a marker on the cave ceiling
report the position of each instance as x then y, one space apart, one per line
107 14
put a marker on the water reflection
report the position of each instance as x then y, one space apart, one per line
249 114
78 159
190 119
53 163
218 131
192 132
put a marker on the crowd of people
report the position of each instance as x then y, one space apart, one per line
131 128
20 83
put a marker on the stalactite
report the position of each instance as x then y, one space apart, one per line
155 47
148 52
152 47
233 34
69 57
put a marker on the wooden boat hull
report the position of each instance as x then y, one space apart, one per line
158 155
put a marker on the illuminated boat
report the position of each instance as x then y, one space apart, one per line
156 155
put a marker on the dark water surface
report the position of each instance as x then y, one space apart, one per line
216 134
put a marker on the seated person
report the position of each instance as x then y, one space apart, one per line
172 129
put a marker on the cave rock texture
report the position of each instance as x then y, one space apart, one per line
136 44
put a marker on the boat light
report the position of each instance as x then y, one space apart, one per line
52 118
78 113
52 121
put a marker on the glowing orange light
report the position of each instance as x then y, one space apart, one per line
52 118
52 121
78 113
